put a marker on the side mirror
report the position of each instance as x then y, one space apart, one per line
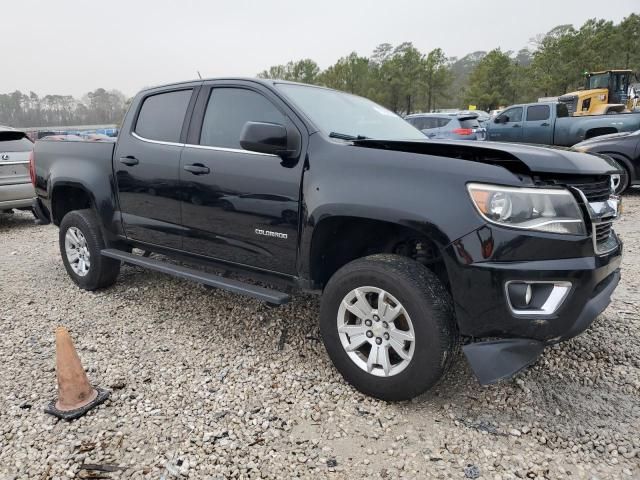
501 119
268 138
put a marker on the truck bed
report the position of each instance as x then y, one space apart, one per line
48 151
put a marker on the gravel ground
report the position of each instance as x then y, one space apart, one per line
206 385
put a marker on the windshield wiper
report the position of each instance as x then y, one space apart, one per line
345 136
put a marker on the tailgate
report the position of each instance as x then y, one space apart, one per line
15 148
14 167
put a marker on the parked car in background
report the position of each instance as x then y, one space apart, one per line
64 138
483 117
550 124
98 137
16 189
449 126
623 148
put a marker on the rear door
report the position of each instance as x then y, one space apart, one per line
239 206
507 127
538 127
147 165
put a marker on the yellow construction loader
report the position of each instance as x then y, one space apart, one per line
610 91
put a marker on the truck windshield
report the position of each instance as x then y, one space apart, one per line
349 116
600 80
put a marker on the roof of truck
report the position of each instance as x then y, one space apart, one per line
263 81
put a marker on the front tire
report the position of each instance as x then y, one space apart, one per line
388 326
81 241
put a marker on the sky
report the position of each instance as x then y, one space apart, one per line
73 46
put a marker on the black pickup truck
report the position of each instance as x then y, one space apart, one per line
416 246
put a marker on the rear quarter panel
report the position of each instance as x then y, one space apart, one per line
85 165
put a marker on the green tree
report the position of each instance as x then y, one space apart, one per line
350 74
628 42
305 71
491 82
437 77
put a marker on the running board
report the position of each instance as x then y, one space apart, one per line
235 286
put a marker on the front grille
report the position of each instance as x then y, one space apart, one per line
597 189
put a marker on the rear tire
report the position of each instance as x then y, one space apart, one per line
81 241
427 317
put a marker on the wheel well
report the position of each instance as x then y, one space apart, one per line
340 240
596 132
65 199
625 162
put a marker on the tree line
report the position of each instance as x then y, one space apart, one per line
30 110
406 80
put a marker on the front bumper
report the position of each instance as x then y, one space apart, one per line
481 263
492 361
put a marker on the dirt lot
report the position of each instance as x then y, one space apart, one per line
210 385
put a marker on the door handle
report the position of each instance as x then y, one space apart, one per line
515 126
545 124
129 160
197 169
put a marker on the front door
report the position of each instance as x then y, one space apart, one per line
537 125
507 127
239 206
147 165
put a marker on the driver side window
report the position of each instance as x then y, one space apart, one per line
229 109
511 115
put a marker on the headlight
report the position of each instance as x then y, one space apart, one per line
544 210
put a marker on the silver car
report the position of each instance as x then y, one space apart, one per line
450 126
16 190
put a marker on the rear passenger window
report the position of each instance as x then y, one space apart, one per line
469 123
443 122
538 112
562 110
417 122
161 116
229 109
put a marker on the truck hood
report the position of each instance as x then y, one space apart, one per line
515 157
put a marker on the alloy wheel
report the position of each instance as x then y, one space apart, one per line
77 250
376 331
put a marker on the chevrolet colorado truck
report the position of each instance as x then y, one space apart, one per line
416 246
549 123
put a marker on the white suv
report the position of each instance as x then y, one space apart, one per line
16 190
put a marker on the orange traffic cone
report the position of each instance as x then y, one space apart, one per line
76 396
